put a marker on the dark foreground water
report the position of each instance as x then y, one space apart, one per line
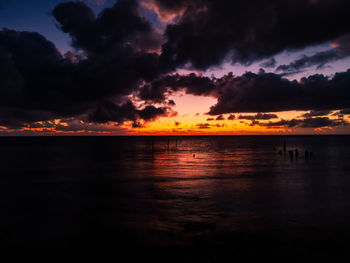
238 197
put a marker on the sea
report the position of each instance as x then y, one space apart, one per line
178 199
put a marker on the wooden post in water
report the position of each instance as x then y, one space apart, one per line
291 155
307 156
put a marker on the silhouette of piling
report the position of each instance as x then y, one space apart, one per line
296 153
176 142
291 155
152 146
284 146
168 143
307 155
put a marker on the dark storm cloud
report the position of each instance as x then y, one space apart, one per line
269 92
34 77
17 118
271 63
192 84
261 92
119 57
118 25
320 59
317 122
250 30
37 83
322 122
111 112
150 113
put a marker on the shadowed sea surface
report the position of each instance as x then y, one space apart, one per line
188 199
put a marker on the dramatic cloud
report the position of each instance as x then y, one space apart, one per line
261 92
38 83
341 50
157 91
114 28
167 11
110 112
250 30
122 69
34 78
318 122
319 59
268 92
271 63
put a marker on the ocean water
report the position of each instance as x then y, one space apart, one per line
207 199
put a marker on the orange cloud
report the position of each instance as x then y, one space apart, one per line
165 16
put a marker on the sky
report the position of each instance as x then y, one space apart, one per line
184 67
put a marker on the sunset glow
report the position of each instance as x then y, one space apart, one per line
169 68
